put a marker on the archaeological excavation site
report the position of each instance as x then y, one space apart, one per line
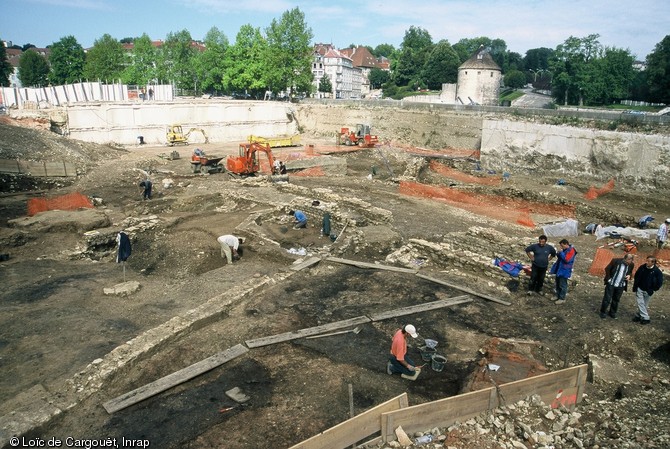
416 214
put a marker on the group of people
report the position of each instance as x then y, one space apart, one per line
647 279
278 168
540 254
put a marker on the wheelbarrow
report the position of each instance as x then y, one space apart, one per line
207 164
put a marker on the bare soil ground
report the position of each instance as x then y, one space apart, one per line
56 319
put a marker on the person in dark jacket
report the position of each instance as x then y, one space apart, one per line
647 280
617 275
540 254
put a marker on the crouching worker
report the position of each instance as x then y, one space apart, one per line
300 219
230 247
398 362
146 185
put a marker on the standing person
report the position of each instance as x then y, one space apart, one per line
151 94
146 186
398 362
647 280
562 268
662 234
540 254
230 247
617 275
300 219
276 166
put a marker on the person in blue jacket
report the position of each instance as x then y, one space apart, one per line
300 219
562 268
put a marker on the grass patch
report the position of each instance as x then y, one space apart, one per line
511 96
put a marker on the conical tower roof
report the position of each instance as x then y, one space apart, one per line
480 60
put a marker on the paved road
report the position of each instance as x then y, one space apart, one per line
531 100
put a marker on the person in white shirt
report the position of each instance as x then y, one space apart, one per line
230 246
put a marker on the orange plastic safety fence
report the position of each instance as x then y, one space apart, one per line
594 193
457 175
71 201
494 206
314 171
604 256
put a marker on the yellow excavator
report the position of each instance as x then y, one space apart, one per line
175 135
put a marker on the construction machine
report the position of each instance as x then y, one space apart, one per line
200 162
247 163
175 135
360 136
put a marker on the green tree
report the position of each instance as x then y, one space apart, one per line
176 60
142 67
537 59
33 69
441 66
246 67
289 53
25 47
609 77
210 65
6 68
325 86
414 50
658 72
105 61
378 77
515 79
497 49
570 67
67 61
385 50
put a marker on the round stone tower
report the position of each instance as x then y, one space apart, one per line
479 80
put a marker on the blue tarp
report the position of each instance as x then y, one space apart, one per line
511 268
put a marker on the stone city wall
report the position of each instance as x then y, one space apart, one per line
563 150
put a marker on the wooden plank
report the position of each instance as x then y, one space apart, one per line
306 263
9 166
428 415
355 429
556 388
466 290
370 265
171 380
420 308
287 336
54 169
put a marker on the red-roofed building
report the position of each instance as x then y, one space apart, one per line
344 77
13 57
363 59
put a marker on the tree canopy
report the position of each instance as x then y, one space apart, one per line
658 72
289 53
325 86
245 71
33 69
210 65
142 67
175 60
414 50
6 68
67 61
105 61
441 66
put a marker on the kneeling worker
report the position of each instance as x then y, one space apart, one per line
398 360
230 247
300 219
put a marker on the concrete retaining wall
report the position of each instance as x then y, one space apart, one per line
512 145
222 121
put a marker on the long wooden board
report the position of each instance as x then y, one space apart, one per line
465 290
43 169
564 387
287 336
420 308
306 263
356 263
171 380
355 429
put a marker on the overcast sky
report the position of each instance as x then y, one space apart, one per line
523 24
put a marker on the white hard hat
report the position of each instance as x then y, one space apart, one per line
411 330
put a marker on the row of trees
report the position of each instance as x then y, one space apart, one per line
279 60
578 71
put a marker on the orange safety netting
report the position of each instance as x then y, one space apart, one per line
71 201
494 206
594 193
604 256
314 171
457 175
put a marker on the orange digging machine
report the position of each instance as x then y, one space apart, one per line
360 136
247 163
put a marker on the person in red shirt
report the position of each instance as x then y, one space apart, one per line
398 362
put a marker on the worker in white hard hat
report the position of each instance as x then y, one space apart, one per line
398 362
